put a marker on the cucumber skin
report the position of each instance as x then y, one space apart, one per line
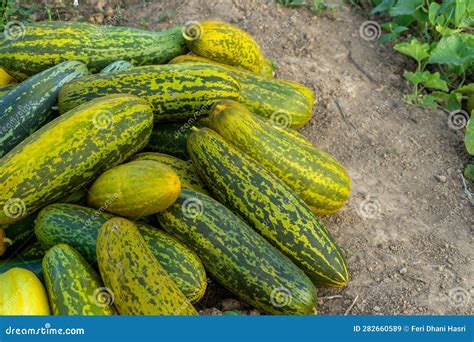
237 256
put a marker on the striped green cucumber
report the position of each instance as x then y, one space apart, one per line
27 107
286 103
175 91
78 226
319 179
184 169
170 137
237 256
224 43
135 189
269 205
74 288
17 235
30 263
117 65
46 44
140 283
70 151
33 250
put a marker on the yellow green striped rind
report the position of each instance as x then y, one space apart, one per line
70 151
268 205
135 189
224 43
27 107
18 233
139 282
184 169
72 284
6 89
316 177
286 103
46 44
33 250
175 91
78 227
238 257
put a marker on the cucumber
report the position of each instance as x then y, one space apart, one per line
149 187
238 257
176 92
128 267
78 227
319 179
46 44
184 169
33 250
74 288
27 107
70 151
268 205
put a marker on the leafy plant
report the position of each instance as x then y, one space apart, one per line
438 36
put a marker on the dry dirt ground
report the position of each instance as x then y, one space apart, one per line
408 227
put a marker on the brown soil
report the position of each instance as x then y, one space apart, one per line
408 227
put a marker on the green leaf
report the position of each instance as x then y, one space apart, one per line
459 12
467 89
429 80
428 101
450 101
469 172
432 12
405 7
384 6
469 137
455 50
415 49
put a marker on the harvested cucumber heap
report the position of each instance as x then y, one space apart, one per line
135 165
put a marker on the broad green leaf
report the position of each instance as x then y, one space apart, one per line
459 12
469 172
469 137
384 6
467 89
415 49
405 7
429 80
455 50
428 101
450 101
432 12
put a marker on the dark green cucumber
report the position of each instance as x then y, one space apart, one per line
269 205
117 65
27 107
170 138
74 288
33 250
32 264
46 44
78 227
238 257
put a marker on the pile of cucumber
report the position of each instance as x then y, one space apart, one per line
134 165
